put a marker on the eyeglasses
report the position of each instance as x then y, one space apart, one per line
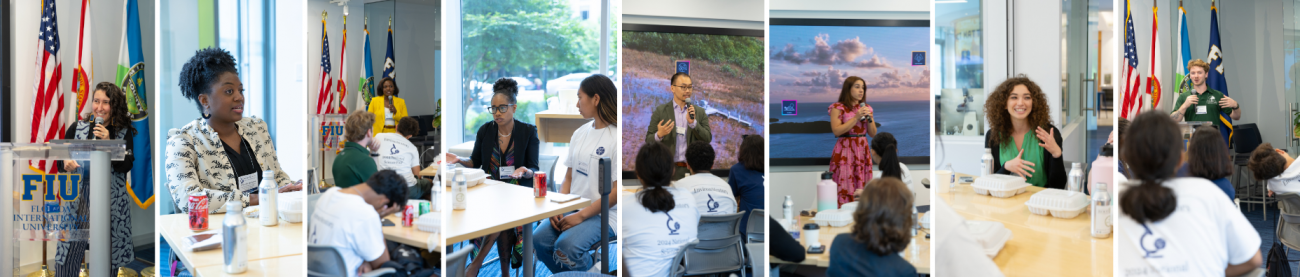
686 88
499 109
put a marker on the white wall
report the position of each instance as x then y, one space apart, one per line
415 40
737 14
108 19
291 79
800 183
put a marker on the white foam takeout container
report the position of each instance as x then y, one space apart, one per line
834 218
999 185
1057 202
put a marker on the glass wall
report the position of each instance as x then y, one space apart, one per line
959 67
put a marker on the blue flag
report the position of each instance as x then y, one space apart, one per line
389 67
130 76
1216 80
367 74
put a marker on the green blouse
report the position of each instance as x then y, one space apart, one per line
1033 154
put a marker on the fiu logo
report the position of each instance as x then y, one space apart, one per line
67 186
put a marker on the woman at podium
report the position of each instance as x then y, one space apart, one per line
222 154
108 120
387 107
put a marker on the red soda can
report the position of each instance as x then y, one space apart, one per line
539 184
198 206
408 215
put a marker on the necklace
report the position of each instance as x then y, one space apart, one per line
503 135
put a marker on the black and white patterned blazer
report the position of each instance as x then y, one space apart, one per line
196 162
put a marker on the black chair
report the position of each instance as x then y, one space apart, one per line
1245 138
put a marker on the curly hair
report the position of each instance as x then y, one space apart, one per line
506 86
119 117
201 70
390 185
846 95
995 108
389 79
1265 163
408 126
883 220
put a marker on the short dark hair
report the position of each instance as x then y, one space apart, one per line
699 155
750 153
505 86
388 183
1266 163
201 70
673 80
883 220
396 90
1207 154
408 126
1153 153
654 168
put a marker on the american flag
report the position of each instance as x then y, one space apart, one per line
325 98
1132 79
47 123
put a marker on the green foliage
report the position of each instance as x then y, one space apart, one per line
744 51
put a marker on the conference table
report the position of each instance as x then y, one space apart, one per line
272 250
410 235
495 206
917 252
1040 245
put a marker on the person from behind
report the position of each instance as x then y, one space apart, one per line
398 154
1176 226
712 195
882 227
746 177
354 165
1207 157
349 220
884 148
665 218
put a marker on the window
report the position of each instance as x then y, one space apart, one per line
959 67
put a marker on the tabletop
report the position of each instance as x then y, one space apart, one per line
409 235
280 266
1040 245
917 252
285 239
494 206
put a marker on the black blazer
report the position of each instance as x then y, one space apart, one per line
525 142
1054 167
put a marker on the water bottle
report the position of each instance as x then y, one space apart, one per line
234 239
1075 183
458 201
827 193
268 191
952 176
788 208
1100 220
986 163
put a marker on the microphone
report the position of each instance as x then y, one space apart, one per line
96 121
689 106
864 117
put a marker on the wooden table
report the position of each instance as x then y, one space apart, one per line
280 241
429 171
1040 245
917 252
495 206
282 266
409 235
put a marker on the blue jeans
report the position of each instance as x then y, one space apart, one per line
567 251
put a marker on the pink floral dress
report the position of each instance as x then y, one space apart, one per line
850 161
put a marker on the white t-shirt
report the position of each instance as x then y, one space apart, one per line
586 147
960 251
346 222
712 194
652 240
1288 181
1201 238
398 154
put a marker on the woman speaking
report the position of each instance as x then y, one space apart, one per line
1021 134
387 107
852 120
109 120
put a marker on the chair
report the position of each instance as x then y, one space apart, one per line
1288 224
547 163
720 249
1244 140
756 257
325 260
755 231
456 261
677 270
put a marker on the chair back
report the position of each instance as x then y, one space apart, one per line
1288 225
755 230
456 261
720 248
325 260
1245 137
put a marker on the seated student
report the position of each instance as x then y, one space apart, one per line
349 219
354 164
1207 157
783 246
1202 234
398 154
884 148
746 177
1276 166
882 227
712 194
665 217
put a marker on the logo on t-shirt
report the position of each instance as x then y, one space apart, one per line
712 205
600 150
393 150
1150 243
672 225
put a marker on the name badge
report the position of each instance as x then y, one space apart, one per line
581 168
248 182
681 129
1201 109
505 172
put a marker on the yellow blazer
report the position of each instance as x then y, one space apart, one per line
377 108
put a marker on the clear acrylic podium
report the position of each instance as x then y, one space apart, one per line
39 210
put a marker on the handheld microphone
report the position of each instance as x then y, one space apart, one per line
96 121
689 106
864 117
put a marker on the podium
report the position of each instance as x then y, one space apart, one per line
39 210
325 146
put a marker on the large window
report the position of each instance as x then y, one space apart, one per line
548 47
959 67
